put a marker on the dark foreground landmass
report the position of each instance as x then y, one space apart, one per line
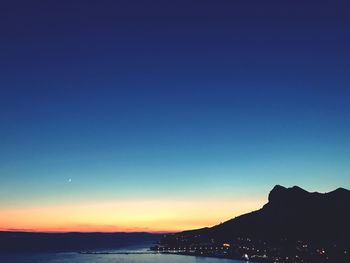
294 226
39 242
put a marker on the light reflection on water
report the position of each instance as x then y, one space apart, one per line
106 258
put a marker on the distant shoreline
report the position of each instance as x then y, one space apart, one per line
205 256
72 242
150 252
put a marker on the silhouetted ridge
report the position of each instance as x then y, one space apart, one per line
339 191
280 193
294 213
295 226
291 197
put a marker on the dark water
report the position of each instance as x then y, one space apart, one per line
136 256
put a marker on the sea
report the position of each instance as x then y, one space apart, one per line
134 254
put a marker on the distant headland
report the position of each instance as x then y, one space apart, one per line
294 226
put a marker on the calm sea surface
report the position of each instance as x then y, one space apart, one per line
133 257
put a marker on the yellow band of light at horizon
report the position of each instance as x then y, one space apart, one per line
129 216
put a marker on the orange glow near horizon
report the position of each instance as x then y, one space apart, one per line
125 216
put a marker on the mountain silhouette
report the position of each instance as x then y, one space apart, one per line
291 213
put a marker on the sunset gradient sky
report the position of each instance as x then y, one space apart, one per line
167 115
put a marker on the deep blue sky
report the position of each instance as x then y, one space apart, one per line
172 98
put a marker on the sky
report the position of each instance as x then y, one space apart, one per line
167 115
